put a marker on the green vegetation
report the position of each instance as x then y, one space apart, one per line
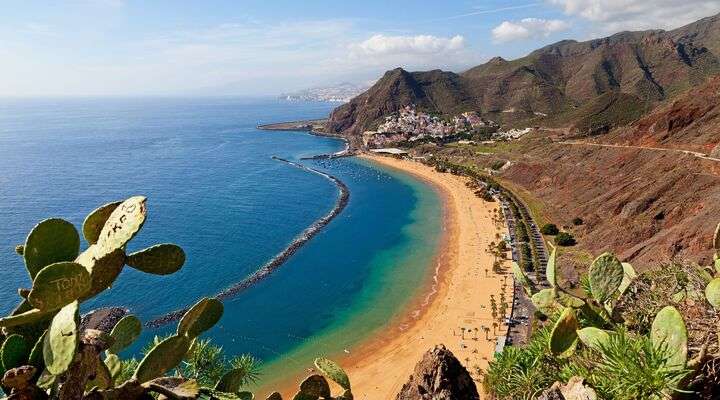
629 337
577 221
549 229
565 239
47 354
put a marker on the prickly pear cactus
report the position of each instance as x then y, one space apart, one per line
95 221
712 293
61 340
629 275
606 275
103 268
544 301
14 352
564 334
569 300
161 259
201 317
123 223
124 333
522 279
59 284
551 268
333 371
164 357
668 330
114 365
593 337
51 241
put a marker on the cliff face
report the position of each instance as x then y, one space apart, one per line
439 376
613 80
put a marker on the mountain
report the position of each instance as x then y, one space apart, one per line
342 93
590 86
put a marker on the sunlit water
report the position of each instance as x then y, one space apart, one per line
214 189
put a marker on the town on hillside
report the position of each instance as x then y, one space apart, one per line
410 126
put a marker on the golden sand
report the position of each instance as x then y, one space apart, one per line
457 313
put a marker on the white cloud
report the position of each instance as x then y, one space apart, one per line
527 28
380 45
617 15
382 52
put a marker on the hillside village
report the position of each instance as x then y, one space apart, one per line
409 126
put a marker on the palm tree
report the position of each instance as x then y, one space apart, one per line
495 326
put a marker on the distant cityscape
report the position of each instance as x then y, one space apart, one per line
340 93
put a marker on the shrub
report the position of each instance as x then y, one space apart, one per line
564 239
577 221
549 229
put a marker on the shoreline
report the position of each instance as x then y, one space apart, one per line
453 297
280 258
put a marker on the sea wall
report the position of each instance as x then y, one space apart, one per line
279 259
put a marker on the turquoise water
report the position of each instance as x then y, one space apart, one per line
214 189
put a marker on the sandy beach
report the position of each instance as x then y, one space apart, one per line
458 300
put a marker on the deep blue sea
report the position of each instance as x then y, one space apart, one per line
214 189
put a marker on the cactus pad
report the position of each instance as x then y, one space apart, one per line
176 388
274 396
114 365
333 371
61 340
716 238
24 318
606 275
51 241
569 300
544 301
315 386
551 268
668 329
95 221
521 278
36 354
593 337
122 225
564 334
712 293
14 352
201 317
629 275
104 268
124 333
59 284
161 259
165 356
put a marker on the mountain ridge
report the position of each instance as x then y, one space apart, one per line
638 69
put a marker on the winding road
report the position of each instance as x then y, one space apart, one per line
688 152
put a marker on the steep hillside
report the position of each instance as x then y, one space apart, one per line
591 86
650 191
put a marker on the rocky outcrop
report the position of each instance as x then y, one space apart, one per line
439 376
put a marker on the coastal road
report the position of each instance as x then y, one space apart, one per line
689 152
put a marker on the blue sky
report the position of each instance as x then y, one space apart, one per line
128 47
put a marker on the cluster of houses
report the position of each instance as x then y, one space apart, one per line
409 125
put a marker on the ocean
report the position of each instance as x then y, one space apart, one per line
214 189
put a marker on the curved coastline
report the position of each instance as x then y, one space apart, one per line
279 259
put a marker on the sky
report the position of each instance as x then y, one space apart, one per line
267 47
